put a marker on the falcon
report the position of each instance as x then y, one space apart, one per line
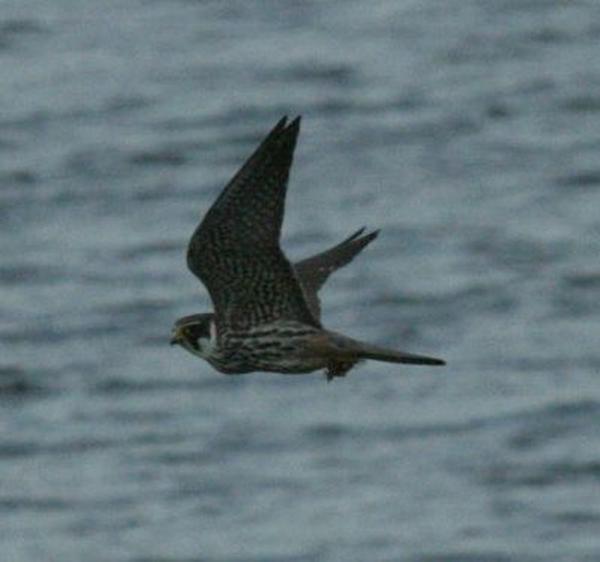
267 313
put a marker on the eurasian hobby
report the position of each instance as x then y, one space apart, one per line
267 312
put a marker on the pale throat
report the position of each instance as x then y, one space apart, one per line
207 345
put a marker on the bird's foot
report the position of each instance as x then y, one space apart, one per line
338 369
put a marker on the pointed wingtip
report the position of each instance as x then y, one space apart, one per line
284 128
367 237
355 235
295 124
280 124
373 235
289 133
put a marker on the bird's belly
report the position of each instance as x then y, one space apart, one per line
289 365
279 347
286 362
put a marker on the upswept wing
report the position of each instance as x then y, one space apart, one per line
235 250
314 271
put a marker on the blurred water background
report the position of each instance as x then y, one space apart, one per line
469 131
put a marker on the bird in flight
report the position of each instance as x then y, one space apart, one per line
267 314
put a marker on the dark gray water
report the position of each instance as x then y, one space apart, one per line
468 131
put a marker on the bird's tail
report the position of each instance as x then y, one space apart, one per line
353 349
392 356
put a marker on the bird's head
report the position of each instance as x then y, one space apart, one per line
196 333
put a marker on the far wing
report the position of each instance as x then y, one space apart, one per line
314 271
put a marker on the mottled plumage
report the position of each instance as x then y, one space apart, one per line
267 311
235 251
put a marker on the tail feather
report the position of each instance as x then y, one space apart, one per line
351 348
392 356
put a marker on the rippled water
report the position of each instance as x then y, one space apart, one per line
468 131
